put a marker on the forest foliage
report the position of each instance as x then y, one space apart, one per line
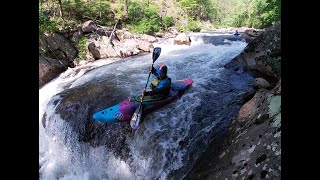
147 16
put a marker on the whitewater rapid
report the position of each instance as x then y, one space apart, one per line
157 148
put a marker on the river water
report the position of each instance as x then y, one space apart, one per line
170 139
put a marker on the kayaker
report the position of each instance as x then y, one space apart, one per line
161 85
236 34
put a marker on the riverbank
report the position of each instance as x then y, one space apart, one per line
92 42
251 147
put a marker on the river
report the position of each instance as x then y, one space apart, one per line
170 139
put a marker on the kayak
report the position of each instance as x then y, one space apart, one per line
123 111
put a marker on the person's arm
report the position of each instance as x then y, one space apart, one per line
154 71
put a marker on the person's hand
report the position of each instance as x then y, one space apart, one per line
150 69
153 87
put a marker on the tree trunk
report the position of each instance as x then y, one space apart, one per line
125 7
60 4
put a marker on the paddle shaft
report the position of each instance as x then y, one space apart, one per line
145 87
138 113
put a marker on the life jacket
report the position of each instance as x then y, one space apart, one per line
154 83
157 86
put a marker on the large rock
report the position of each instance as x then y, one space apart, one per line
263 54
144 46
75 108
89 26
173 30
277 90
94 51
127 37
49 69
252 149
128 47
146 38
123 34
159 34
76 36
219 40
259 83
106 47
108 51
254 109
57 46
246 37
253 32
182 39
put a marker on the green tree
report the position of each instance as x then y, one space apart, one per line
135 11
167 22
149 16
188 6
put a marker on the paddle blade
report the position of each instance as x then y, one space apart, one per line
156 53
135 120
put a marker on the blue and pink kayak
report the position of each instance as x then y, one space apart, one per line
123 111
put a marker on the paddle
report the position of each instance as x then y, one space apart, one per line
135 120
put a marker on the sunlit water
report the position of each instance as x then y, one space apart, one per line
155 149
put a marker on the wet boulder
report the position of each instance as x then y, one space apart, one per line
182 39
49 69
75 108
263 54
